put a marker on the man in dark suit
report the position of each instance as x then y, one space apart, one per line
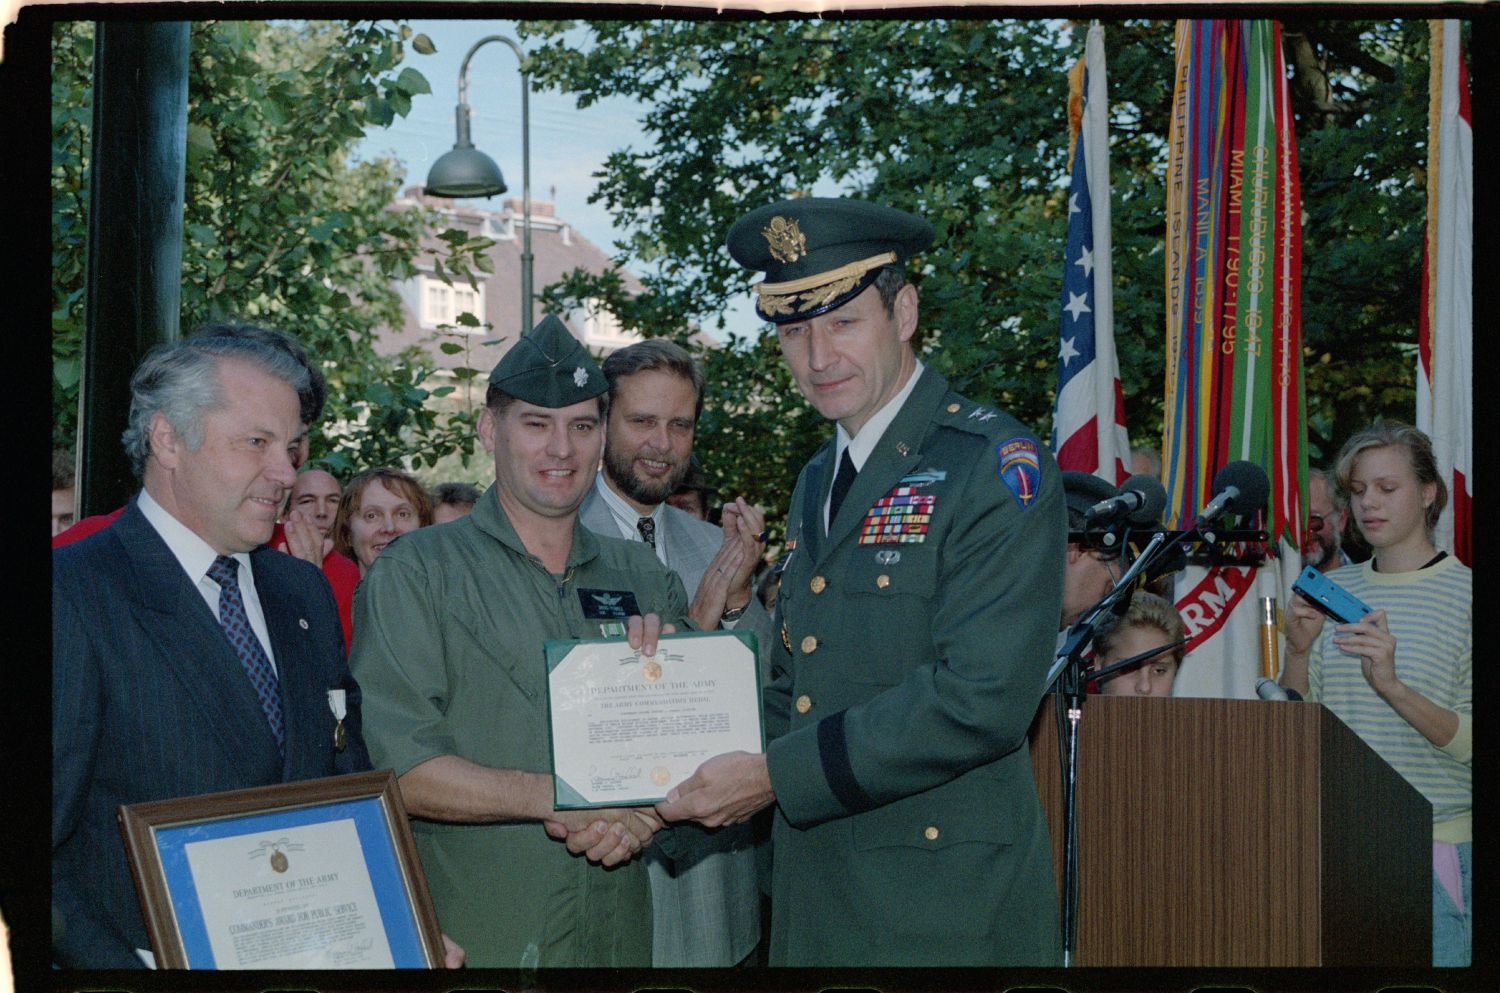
187 657
918 610
705 905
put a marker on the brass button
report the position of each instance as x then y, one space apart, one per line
804 704
882 581
952 408
809 645
931 833
818 584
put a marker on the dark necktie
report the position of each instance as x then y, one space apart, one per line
841 484
647 527
236 624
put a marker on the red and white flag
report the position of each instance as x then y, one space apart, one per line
1445 358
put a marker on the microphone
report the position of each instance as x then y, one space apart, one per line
1141 501
1240 486
1268 689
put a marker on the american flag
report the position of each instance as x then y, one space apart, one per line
1088 427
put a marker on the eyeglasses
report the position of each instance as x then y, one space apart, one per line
1110 564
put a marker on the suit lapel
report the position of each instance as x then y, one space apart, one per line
679 551
595 515
301 698
192 645
896 454
688 554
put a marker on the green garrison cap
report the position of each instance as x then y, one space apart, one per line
549 367
818 253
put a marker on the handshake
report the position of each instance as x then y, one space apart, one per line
608 835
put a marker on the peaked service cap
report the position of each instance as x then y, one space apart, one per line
549 367
818 253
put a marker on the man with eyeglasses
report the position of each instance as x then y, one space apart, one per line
1328 512
1091 569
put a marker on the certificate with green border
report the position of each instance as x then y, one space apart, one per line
626 728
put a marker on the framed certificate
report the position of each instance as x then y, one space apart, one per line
317 874
627 728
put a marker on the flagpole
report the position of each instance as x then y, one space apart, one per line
1088 433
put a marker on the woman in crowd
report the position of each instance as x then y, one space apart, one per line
1149 623
1402 678
378 505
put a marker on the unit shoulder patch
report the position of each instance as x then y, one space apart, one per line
1019 464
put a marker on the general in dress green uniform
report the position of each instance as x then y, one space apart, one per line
917 617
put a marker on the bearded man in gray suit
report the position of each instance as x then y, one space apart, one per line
706 907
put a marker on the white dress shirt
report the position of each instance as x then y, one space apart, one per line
626 516
195 556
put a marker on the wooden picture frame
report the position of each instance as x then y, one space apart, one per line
316 874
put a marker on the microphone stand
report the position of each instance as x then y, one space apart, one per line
1068 667
1096 675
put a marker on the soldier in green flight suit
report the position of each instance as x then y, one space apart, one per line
918 614
448 632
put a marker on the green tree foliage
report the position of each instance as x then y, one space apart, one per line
1360 95
279 226
964 122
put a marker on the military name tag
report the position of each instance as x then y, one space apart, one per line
608 605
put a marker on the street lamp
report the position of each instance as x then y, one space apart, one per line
465 171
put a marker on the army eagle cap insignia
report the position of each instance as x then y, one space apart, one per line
785 239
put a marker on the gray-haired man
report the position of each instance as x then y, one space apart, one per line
187 657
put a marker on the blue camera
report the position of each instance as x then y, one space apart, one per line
1329 597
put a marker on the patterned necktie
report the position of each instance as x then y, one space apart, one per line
236 623
841 484
647 527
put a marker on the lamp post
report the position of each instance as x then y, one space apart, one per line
465 171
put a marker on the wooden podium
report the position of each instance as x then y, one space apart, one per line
1237 833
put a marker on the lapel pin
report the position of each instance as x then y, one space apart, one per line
302 623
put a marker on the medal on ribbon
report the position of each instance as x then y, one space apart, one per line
340 708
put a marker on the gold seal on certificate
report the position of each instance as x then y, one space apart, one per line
626 729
